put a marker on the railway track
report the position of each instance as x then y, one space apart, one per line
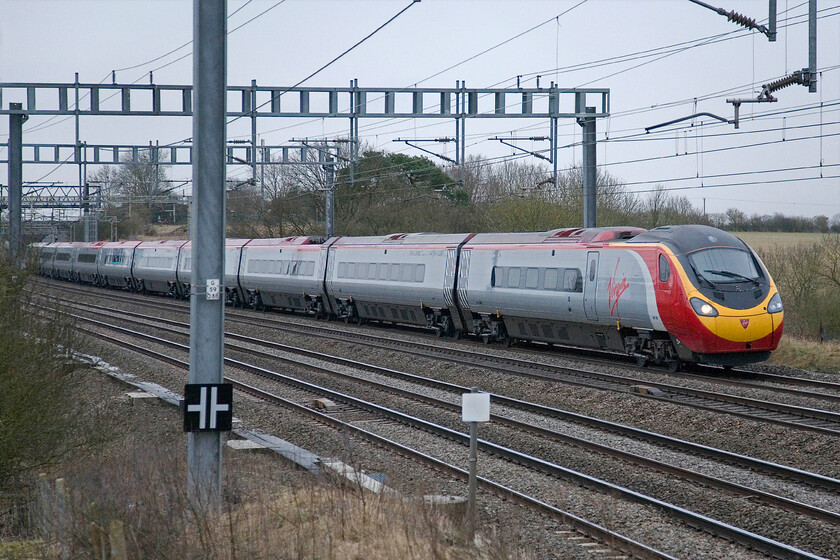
775 469
554 470
799 417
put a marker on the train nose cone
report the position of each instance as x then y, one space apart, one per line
744 328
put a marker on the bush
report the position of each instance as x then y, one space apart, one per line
36 415
808 278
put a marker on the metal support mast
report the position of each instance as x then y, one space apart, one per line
329 209
253 152
812 45
207 232
590 192
16 120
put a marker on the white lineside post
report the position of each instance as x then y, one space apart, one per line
475 408
207 232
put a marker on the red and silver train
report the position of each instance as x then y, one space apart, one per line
670 295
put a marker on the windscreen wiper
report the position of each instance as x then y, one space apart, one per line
729 274
702 278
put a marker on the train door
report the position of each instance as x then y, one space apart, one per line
590 285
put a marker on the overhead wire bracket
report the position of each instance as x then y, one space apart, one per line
802 77
681 119
408 142
506 142
745 21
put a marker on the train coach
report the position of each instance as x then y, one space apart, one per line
670 295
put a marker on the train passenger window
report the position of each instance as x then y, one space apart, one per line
406 272
372 271
550 280
395 272
532 278
342 270
572 280
513 277
419 272
293 268
664 269
592 269
383 271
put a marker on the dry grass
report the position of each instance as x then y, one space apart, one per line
267 513
808 354
765 240
137 486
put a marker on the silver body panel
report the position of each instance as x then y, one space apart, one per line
286 273
155 265
392 277
115 260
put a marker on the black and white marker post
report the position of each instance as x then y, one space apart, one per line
475 408
207 233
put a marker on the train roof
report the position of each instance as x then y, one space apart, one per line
230 243
689 238
397 239
563 235
121 244
163 244
286 241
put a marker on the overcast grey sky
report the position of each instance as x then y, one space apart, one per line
661 60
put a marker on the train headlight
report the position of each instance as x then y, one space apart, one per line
775 305
703 308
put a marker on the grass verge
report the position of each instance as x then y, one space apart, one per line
808 354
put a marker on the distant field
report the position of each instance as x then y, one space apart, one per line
767 240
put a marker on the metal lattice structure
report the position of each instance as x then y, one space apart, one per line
255 102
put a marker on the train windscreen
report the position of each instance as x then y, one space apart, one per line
725 265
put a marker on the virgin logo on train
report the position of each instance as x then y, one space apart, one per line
745 323
616 289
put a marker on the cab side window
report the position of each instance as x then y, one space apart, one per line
664 269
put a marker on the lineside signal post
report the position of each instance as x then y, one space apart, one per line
475 408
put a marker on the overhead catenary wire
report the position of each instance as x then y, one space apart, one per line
331 62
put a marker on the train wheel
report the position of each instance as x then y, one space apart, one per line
642 361
675 365
485 338
456 334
